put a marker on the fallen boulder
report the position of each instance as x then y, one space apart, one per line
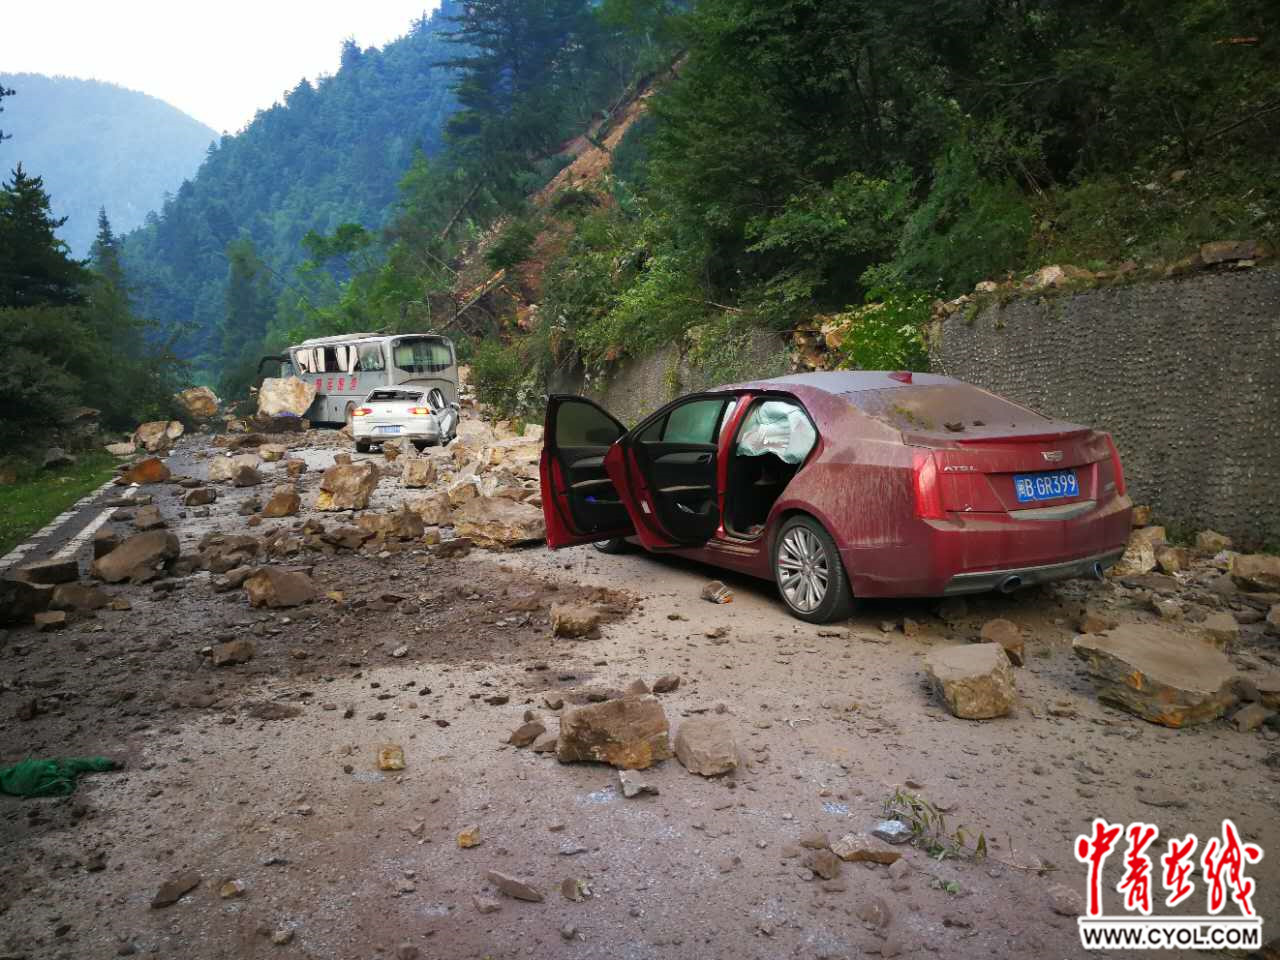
221 552
1008 635
864 848
284 502
1211 542
1221 630
149 518
158 435
433 509
287 396
139 559
293 469
1164 677
975 681
20 600
272 452
402 524
246 476
121 449
80 597
150 470
630 733
223 469
49 620
232 652
705 745
499 522
200 402
1140 555
347 486
513 887
49 572
277 588
1256 571
420 472
574 620
200 497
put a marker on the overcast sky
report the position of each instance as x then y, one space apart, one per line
218 60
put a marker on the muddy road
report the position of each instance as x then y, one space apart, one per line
265 772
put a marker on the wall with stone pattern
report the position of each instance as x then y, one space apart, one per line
1185 374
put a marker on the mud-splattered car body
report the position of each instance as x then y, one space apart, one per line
843 485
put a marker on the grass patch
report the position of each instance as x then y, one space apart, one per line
40 495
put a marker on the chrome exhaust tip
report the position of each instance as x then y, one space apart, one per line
1010 584
1097 570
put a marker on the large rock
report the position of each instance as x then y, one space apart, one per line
150 470
50 571
224 469
1140 555
138 559
158 435
277 588
20 601
78 596
1008 635
246 476
574 620
1164 677
1221 630
200 497
1211 542
705 745
1256 571
433 509
402 524
200 402
630 733
271 452
221 552
288 397
418 473
284 502
121 449
499 522
347 486
974 681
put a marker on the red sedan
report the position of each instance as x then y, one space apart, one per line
842 485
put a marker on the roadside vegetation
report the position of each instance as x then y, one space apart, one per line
37 495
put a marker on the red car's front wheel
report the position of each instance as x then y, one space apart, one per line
810 577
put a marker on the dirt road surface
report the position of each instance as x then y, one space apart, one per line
265 772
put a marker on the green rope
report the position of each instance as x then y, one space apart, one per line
49 778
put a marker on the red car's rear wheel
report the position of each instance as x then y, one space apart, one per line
810 576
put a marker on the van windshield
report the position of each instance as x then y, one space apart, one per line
422 355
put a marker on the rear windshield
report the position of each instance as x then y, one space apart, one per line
954 409
422 355
391 396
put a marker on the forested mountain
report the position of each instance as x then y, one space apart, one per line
332 152
97 145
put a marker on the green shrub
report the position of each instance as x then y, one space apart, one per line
888 333
513 246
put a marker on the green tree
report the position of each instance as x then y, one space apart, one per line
250 307
4 92
35 267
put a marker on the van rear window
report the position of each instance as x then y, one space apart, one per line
949 408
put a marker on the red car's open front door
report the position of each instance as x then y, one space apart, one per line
667 471
579 499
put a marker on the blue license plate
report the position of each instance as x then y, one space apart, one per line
388 429
1050 485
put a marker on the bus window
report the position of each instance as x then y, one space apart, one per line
422 355
371 357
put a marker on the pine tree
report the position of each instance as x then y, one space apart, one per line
105 253
4 92
35 266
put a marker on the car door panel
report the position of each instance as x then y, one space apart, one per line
580 502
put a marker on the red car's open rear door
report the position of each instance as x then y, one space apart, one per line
579 500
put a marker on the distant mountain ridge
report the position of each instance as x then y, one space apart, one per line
332 152
97 144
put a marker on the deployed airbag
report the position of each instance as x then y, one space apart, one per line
777 427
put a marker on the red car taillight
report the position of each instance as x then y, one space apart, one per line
1116 469
420 411
928 489
362 411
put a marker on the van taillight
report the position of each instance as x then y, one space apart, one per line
1117 471
928 489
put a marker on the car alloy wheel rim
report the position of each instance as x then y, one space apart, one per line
803 572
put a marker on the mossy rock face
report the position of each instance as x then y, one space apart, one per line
1167 678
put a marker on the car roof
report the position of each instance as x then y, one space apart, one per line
843 382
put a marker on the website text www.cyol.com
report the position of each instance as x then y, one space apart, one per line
1171 933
